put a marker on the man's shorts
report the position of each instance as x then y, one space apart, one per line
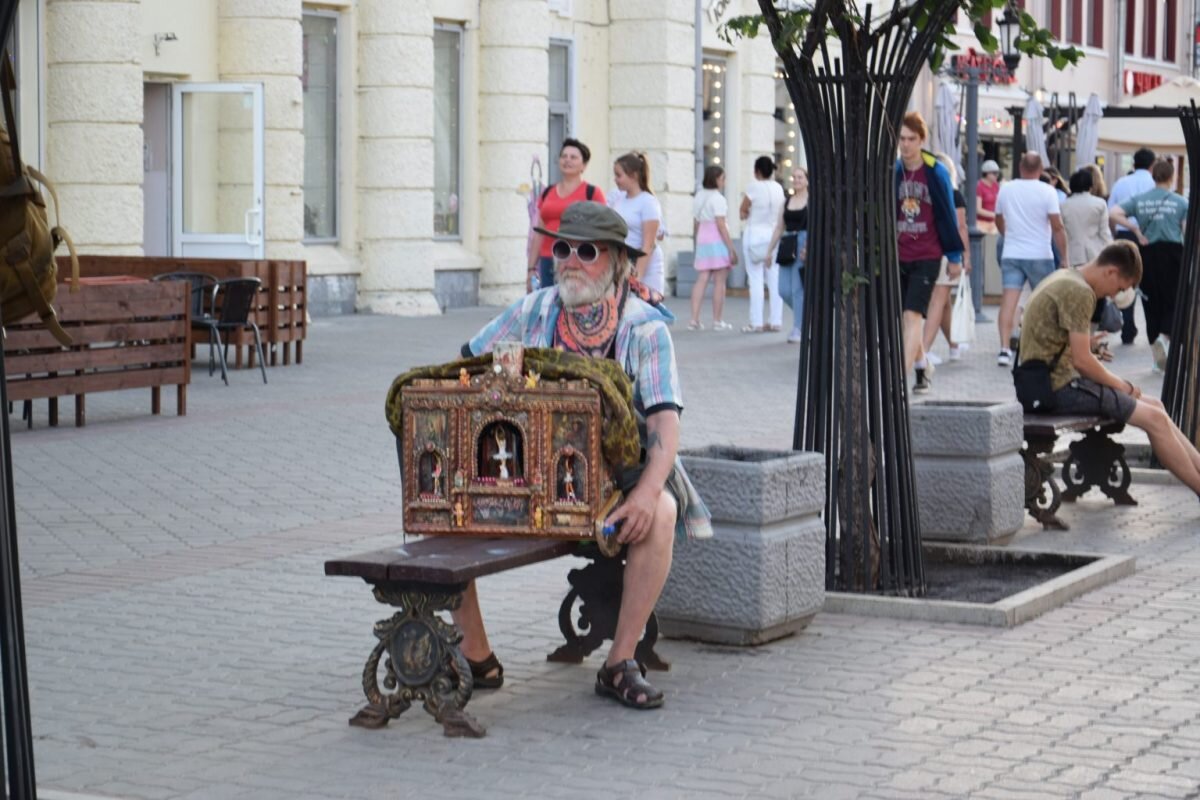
1015 271
1083 396
916 284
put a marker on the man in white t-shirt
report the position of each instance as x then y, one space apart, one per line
1027 216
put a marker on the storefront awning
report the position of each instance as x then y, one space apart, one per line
1162 135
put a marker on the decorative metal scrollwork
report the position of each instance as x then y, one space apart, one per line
1097 460
1042 495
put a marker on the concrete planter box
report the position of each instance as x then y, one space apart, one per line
968 469
762 575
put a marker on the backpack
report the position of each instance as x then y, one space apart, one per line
590 192
28 274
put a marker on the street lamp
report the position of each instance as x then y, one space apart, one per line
1009 27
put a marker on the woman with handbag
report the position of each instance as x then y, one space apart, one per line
760 209
714 251
791 236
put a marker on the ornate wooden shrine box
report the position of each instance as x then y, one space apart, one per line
503 454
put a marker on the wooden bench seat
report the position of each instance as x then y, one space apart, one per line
424 661
1096 460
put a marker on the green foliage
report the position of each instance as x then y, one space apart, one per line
1034 41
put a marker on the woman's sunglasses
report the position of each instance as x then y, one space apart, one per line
586 252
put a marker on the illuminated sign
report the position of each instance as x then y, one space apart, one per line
991 68
1139 82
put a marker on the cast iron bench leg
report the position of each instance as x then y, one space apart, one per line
597 588
1097 460
1042 495
423 661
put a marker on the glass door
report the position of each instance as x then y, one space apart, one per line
217 170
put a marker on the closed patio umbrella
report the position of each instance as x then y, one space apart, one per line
1035 136
1089 132
945 134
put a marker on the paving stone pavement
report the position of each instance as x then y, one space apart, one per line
183 642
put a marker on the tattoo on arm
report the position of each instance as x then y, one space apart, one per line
653 440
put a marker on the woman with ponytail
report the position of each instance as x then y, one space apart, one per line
638 206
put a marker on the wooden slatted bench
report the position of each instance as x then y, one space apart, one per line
127 335
424 661
1096 460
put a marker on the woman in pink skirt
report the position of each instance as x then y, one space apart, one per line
714 253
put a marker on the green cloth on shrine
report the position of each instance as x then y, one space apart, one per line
619 442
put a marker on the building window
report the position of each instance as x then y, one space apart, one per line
319 82
789 146
1170 16
1096 24
560 102
1056 20
1130 23
447 130
1150 30
1074 21
715 75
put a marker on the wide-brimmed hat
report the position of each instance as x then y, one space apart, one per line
592 222
989 166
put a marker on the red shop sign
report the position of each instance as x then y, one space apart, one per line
1140 82
991 67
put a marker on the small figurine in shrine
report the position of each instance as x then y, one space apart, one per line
538 518
502 454
531 379
569 482
463 378
458 514
460 480
437 474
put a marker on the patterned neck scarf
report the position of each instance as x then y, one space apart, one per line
591 330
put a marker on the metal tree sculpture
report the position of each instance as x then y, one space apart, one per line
852 403
1181 385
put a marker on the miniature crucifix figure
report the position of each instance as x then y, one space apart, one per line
458 513
437 474
502 454
569 481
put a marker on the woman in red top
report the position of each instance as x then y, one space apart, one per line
986 192
573 159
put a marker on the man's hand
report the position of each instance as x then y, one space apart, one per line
1142 240
635 514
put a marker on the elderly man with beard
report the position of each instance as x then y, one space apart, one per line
596 310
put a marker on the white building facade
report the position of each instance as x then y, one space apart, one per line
391 143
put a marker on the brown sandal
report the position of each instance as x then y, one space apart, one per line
481 672
632 686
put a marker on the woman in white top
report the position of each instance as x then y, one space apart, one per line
1085 216
641 211
761 207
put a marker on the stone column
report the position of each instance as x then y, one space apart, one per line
260 42
514 75
395 156
93 122
652 101
756 59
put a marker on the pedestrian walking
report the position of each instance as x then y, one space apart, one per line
761 205
1156 218
926 230
640 209
1137 182
986 192
1085 218
791 237
573 158
1057 333
713 252
938 314
1029 219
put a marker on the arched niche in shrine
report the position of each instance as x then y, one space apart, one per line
500 452
570 476
431 473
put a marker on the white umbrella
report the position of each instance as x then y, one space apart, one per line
945 134
1035 137
1089 132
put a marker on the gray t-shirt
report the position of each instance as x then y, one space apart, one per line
1160 214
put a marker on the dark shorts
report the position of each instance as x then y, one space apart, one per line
628 478
1083 396
916 284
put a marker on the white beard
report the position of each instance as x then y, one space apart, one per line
575 289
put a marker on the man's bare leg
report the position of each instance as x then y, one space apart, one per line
1184 442
1008 313
469 619
1165 440
914 325
646 568
933 317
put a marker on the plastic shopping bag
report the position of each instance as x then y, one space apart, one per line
962 316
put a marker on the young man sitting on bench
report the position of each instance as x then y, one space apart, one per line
1056 330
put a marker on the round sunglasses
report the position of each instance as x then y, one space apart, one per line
586 252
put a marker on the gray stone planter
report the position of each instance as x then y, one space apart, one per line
762 575
969 473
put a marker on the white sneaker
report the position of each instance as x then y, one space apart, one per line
956 353
794 336
1004 359
934 359
1159 348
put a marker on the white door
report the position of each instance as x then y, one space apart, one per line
217 170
